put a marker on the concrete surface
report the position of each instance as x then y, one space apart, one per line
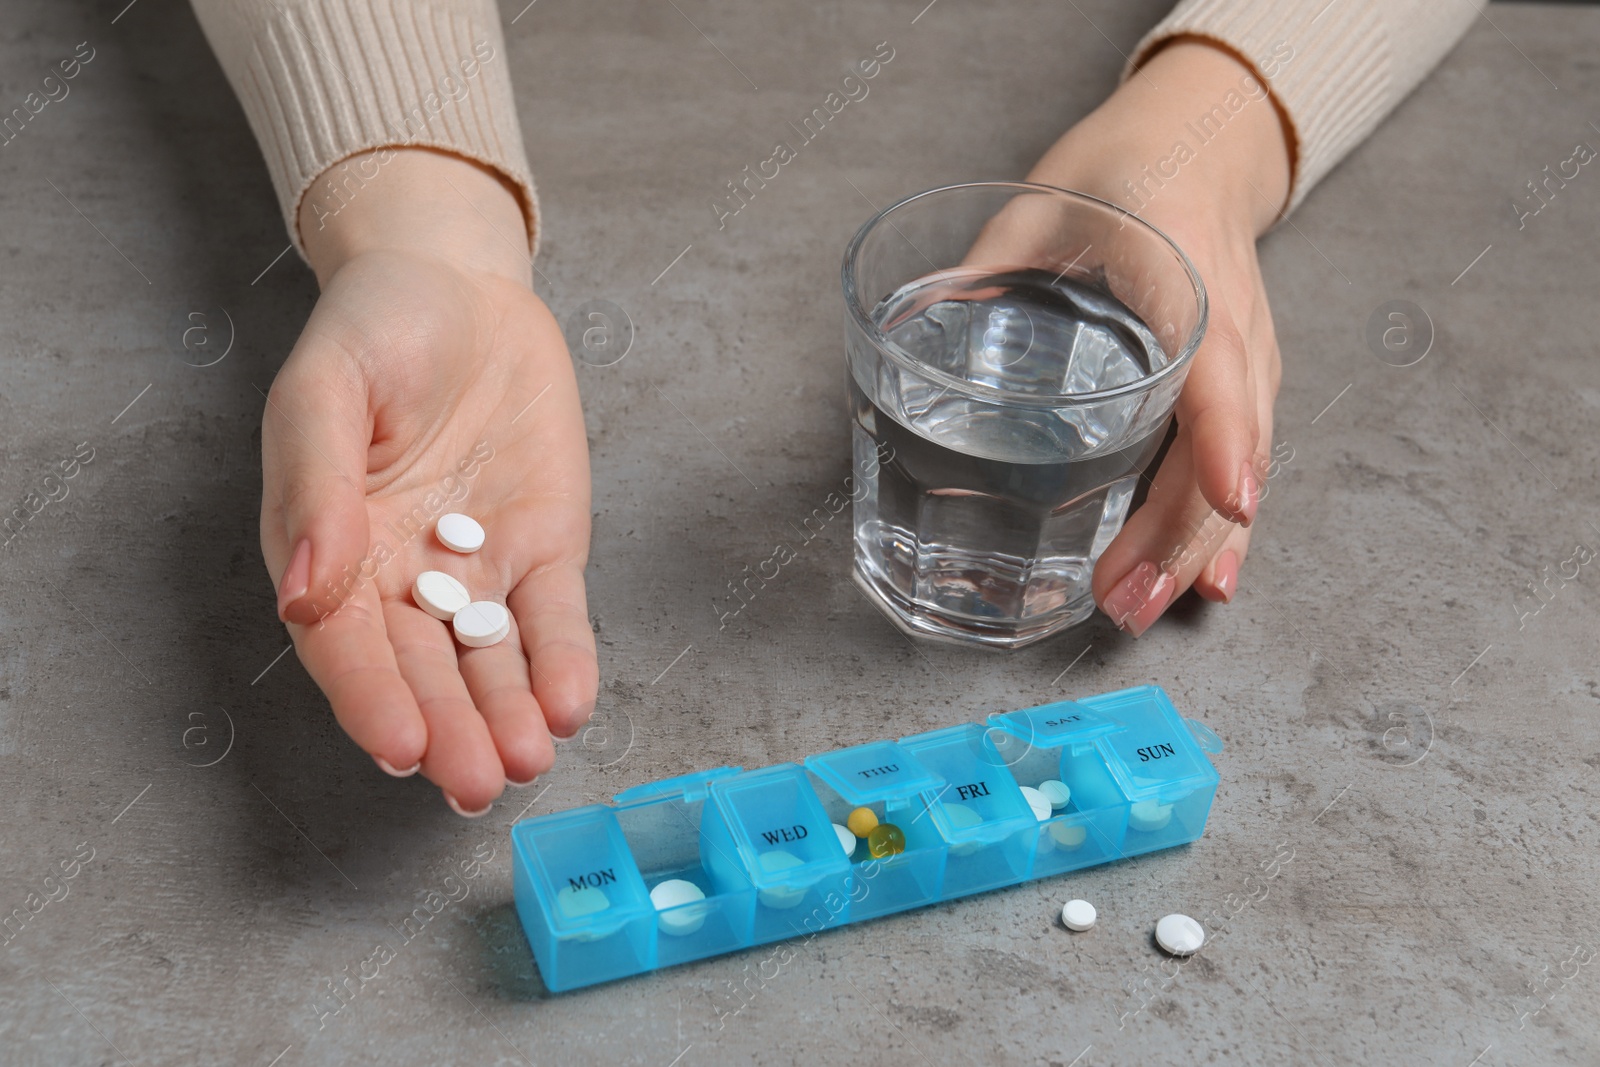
1400 722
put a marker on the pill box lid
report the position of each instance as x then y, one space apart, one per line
1155 754
687 786
761 802
953 750
584 846
881 770
1053 725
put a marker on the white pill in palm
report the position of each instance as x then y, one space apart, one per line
1077 915
1180 935
459 533
673 894
440 595
847 840
1056 793
1036 801
482 623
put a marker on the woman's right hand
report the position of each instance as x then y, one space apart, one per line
431 379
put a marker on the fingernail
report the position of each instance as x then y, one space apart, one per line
463 812
581 719
1249 494
1140 598
1227 575
388 768
518 785
296 578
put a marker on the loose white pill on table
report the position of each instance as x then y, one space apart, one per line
1149 816
1036 800
847 840
1056 793
775 862
482 623
459 533
674 893
440 595
1077 914
1180 935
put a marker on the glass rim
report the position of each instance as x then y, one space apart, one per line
1173 366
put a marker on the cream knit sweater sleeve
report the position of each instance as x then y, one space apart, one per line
1336 67
321 80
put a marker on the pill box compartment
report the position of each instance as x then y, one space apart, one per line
1056 742
774 831
1159 760
888 780
979 810
581 900
669 828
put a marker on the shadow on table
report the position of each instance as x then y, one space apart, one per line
512 972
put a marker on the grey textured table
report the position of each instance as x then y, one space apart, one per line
1402 724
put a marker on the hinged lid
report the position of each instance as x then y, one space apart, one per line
688 786
881 770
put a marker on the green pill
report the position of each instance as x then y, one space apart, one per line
886 839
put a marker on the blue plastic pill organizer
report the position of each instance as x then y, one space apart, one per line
762 847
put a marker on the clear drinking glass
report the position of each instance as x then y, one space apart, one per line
1014 355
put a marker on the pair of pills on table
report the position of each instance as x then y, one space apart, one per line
477 623
1177 934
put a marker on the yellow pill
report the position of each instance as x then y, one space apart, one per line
861 821
886 840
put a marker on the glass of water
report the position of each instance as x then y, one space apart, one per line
1015 352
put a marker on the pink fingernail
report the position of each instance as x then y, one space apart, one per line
1140 598
296 581
388 768
519 785
463 812
1249 494
1227 575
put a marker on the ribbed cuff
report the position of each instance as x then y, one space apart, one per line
1329 68
322 80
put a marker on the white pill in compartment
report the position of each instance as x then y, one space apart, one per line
963 818
1180 935
576 903
1036 800
440 595
847 840
482 623
459 533
674 893
1077 915
1056 793
775 862
1149 816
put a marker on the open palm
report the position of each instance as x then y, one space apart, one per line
418 389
